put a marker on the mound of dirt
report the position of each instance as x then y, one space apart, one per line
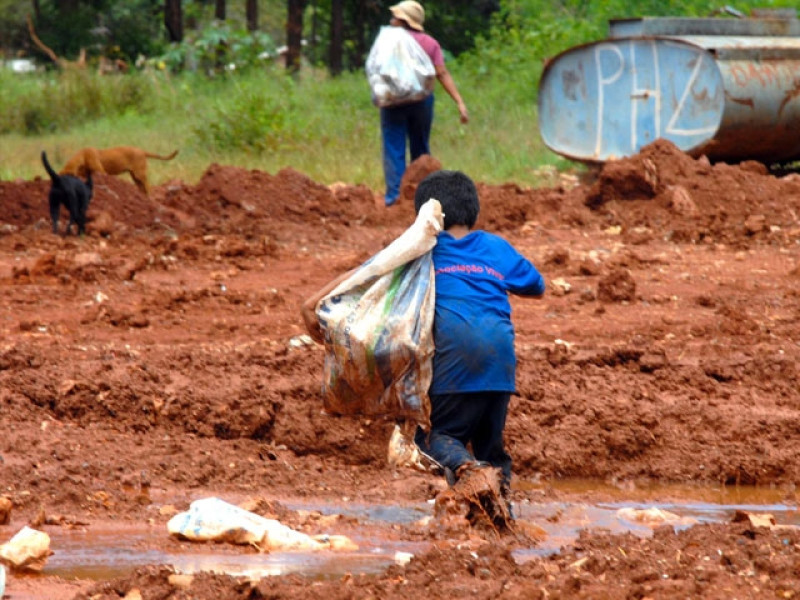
687 200
162 357
659 192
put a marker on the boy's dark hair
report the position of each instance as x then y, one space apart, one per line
455 192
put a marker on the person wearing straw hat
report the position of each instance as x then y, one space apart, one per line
413 121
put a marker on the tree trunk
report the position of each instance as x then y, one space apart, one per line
294 34
313 47
66 7
252 15
173 20
337 37
363 44
219 10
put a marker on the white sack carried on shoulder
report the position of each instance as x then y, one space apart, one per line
399 71
378 328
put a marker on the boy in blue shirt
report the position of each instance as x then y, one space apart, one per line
474 363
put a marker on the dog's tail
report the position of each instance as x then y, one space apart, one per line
159 157
53 175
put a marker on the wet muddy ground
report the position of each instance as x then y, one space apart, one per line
161 359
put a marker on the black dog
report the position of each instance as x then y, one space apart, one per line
73 193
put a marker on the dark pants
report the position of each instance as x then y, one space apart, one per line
412 121
460 419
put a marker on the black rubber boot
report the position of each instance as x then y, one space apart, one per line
450 477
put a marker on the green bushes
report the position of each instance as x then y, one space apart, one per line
254 117
38 104
525 33
217 48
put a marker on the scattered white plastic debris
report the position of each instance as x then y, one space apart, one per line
212 519
403 452
28 549
654 517
21 65
300 341
402 558
562 285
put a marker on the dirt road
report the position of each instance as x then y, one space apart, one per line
160 359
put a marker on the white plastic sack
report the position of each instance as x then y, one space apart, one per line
212 519
378 327
403 452
399 71
28 549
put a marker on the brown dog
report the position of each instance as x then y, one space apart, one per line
113 161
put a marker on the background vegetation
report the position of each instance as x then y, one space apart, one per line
223 95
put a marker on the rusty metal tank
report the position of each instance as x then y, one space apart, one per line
726 88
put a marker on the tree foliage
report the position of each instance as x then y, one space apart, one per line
454 23
523 34
498 35
219 46
103 27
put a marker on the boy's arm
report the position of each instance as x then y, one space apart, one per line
309 308
534 287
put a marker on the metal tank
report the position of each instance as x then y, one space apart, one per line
726 88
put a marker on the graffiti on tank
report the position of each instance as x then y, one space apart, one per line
766 74
640 94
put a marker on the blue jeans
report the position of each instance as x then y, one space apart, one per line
459 419
412 121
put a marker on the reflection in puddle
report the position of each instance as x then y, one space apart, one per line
103 555
563 522
705 504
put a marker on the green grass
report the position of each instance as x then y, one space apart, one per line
323 127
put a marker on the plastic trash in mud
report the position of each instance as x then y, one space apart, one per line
403 452
27 550
378 326
2 580
212 519
653 517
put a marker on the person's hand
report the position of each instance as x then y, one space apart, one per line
462 110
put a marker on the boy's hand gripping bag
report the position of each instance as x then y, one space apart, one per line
378 328
399 71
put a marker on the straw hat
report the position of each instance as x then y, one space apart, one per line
411 12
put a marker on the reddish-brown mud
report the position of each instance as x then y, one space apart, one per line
158 360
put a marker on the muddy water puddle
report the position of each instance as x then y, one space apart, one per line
103 555
93 554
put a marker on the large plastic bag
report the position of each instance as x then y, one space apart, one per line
213 519
399 71
378 327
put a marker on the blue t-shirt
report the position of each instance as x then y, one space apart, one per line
472 327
